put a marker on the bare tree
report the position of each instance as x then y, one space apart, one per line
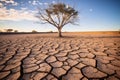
58 15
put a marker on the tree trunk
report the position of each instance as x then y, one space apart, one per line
59 32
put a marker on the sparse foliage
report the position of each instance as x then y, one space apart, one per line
8 30
58 15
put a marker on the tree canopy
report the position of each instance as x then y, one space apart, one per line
8 30
58 15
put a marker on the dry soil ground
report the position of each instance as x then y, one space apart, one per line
46 57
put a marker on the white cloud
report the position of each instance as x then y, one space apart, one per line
2 0
24 8
45 3
40 3
9 2
34 2
17 15
53 2
29 2
15 4
3 11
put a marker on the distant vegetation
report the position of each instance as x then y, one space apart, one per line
15 31
50 31
34 31
8 30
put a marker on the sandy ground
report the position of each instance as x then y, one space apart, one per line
77 56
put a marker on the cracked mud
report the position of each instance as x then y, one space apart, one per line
37 58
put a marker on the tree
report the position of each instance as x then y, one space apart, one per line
58 15
34 31
8 30
15 31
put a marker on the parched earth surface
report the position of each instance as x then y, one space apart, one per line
45 58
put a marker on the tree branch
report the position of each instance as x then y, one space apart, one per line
42 17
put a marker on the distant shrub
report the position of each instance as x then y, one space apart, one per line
34 31
15 31
50 31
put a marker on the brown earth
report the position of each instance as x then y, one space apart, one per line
76 56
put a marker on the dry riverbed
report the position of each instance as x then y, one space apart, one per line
46 57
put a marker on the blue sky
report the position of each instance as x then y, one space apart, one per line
94 15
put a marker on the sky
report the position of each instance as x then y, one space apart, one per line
94 15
